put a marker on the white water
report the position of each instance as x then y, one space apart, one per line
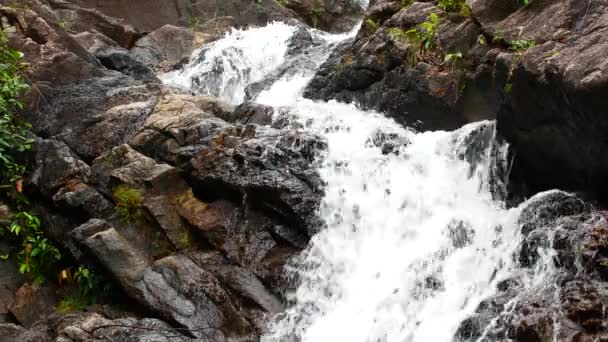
386 268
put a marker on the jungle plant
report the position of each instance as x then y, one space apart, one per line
14 138
128 203
88 286
425 33
38 257
372 25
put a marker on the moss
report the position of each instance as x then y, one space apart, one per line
128 203
406 3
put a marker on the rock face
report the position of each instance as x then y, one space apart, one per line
559 133
572 306
146 15
219 199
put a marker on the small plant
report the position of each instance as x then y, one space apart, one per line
372 25
425 32
452 58
481 40
508 87
283 3
396 34
406 3
38 256
522 45
128 203
498 36
87 288
455 6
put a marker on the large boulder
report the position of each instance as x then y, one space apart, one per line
554 117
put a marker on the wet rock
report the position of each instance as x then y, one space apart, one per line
270 168
569 304
10 279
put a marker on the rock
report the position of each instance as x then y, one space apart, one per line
328 15
10 280
55 166
11 332
385 71
179 125
76 19
96 328
570 307
268 167
150 15
168 47
556 147
32 303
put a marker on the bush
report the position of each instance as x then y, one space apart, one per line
13 131
128 203
424 33
456 6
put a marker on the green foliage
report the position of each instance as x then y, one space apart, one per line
128 203
425 32
372 25
508 88
498 36
452 58
396 34
525 2
283 3
38 257
406 3
522 45
13 130
89 286
455 6
481 40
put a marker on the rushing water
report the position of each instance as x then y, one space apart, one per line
416 233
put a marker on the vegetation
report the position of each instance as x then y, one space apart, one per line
372 25
13 130
455 6
522 45
452 58
37 256
128 203
87 287
283 3
406 3
425 33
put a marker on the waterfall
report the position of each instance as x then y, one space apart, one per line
415 236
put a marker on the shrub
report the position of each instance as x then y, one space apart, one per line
424 33
13 131
128 203
522 45
89 287
372 25
455 6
